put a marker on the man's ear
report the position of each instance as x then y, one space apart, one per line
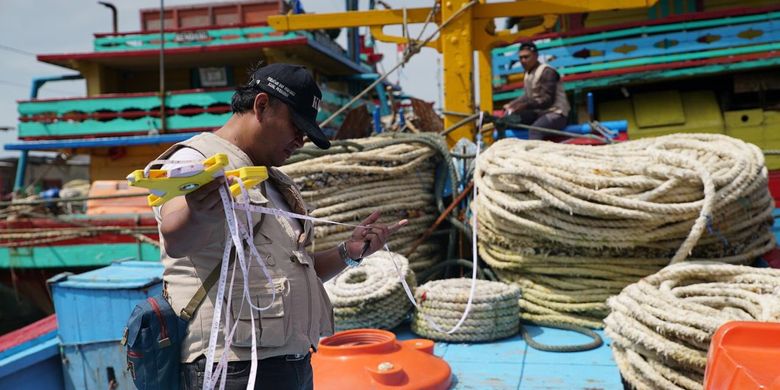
260 105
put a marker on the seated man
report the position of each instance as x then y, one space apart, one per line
544 102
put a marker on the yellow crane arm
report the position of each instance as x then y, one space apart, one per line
347 19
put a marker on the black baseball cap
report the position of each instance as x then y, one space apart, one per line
295 86
530 46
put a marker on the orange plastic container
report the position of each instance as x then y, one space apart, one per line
130 205
374 359
744 356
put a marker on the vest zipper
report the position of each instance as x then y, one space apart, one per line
164 340
308 301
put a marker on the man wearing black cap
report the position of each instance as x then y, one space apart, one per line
272 114
544 102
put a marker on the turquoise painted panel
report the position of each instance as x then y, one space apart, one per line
215 37
566 58
200 120
117 104
202 99
659 48
674 58
53 118
88 105
645 30
87 127
85 255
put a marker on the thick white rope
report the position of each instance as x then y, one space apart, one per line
573 224
662 326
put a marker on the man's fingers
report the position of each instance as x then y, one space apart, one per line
201 193
371 218
397 226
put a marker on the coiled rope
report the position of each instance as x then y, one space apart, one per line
370 296
393 174
494 310
661 326
573 225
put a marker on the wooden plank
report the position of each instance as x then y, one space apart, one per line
586 37
91 255
577 58
511 364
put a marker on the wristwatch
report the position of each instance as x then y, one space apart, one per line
350 262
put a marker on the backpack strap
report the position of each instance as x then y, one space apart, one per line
197 299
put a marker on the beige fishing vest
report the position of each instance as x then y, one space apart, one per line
531 88
301 311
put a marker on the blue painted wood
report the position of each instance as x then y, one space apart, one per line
36 367
94 306
566 58
90 366
511 364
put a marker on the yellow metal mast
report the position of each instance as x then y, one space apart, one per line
465 26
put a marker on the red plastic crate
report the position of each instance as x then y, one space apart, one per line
774 186
744 356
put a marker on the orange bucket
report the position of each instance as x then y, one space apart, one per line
744 356
129 205
374 359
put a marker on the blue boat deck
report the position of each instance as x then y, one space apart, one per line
512 364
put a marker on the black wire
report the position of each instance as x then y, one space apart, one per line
27 87
15 50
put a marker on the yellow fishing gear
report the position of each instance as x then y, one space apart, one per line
166 184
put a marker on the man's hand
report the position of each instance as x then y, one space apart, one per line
187 222
204 203
514 105
371 238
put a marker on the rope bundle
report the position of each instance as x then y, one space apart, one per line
661 326
494 310
370 296
392 174
573 225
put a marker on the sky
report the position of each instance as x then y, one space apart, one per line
31 27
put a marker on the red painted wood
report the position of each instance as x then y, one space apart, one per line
126 95
171 52
184 29
29 332
45 223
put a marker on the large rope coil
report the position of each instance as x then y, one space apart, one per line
573 225
393 174
493 315
661 326
370 296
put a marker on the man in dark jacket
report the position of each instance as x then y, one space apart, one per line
544 102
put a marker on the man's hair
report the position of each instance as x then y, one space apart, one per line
530 46
243 99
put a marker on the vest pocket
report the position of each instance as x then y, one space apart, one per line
270 324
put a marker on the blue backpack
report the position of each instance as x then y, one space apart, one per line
154 336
